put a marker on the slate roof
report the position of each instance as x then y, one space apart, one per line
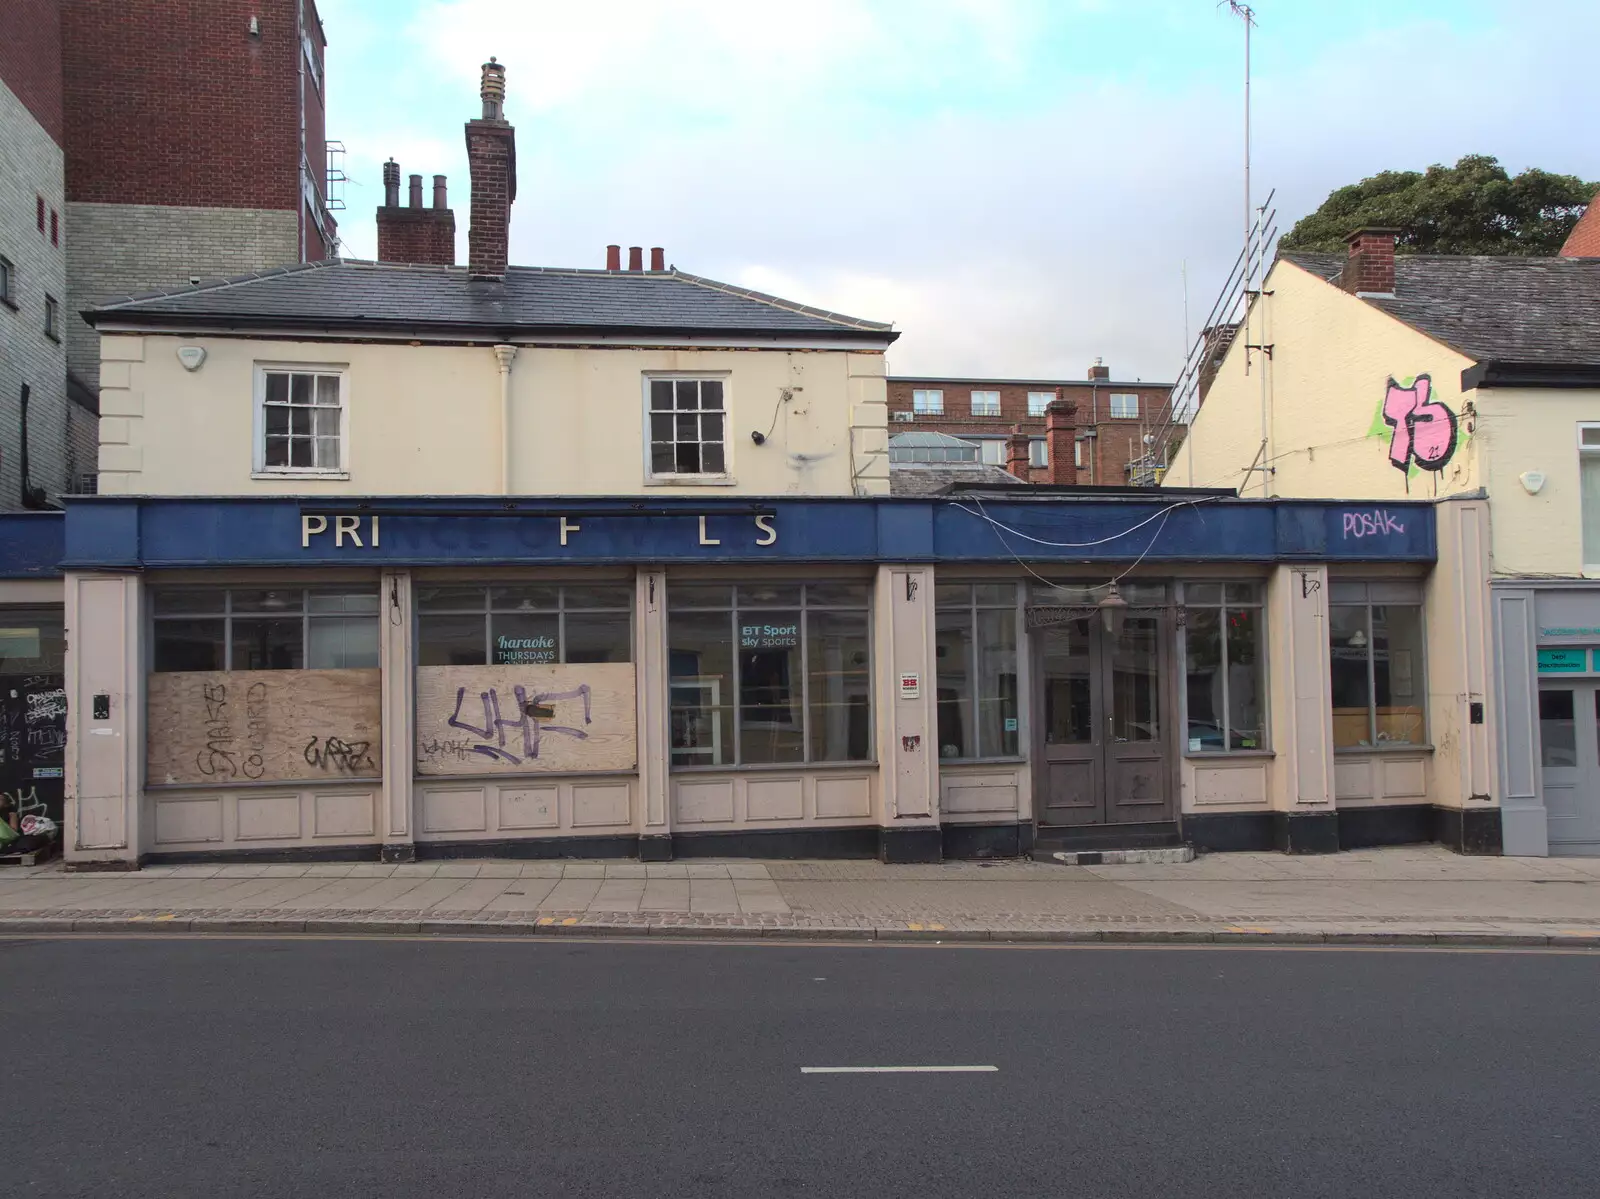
921 478
353 296
1542 312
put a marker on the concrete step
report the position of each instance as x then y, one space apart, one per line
1162 855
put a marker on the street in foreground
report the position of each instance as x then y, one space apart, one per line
179 1066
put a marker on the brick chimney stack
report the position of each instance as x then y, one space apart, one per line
492 160
413 233
1017 453
1370 267
1061 434
1099 372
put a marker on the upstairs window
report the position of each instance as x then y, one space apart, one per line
38 207
1037 400
1124 405
1589 488
1038 453
52 318
986 403
8 282
688 428
929 403
992 451
300 420
55 228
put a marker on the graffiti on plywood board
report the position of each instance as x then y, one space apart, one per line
1422 431
528 724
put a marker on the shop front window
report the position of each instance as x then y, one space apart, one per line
197 629
524 624
975 646
1376 647
769 673
1225 690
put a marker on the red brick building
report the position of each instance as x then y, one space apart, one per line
1111 418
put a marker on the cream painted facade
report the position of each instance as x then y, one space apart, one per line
427 419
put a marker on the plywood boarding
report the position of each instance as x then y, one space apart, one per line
237 726
519 719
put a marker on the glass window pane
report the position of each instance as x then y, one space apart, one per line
172 601
687 427
952 651
711 458
525 597
769 595
1349 643
1398 685
995 595
662 458
599 597
327 389
524 639
660 426
1135 688
698 595
688 392
711 393
268 602
300 452
1558 730
700 663
344 601
837 595
277 451
188 645
1244 593
840 686
770 715
450 599
342 643
299 389
325 422
947 595
450 640
660 394
1202 643
997 683
1589 487
1246 710
327 453
598 637
277 388
277 420
1068 701
711 426
299 421
1202 593
686 460
268 644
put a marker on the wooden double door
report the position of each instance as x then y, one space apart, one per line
1105 743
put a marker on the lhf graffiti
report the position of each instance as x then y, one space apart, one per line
1423 429
531 712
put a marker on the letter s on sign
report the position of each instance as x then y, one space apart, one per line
764 523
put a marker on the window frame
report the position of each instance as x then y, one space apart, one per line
1342 593
1047 397
488 612
52 318
1038 453
1259 605
226 614
1024 652
736 683
986 411
1111 405
1589 453
925 407
258 462
8 283
724 477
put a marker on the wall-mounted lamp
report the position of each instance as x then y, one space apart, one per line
1112 609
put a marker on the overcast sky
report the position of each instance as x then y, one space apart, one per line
1018 184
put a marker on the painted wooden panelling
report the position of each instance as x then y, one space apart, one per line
1231 786
260 819
766 800
844 797
471 810
188 820
521 719
211 728
962 793
269 816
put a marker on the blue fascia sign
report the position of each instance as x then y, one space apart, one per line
143 532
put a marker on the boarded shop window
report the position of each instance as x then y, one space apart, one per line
524 624
688 427
1376 645
301 422
975 645
214 628
769 672
1224 680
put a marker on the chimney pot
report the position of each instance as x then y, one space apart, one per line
613 258
1061 435
492 164
636 258
416 191
658 258
1370 267
440 199
492 90
391 183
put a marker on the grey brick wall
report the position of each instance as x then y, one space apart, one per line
118 249
31 166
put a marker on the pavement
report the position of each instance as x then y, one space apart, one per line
410 1067
1412 894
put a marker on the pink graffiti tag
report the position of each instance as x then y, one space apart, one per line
1424 429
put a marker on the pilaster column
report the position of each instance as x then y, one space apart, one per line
908 742
652 699
1304 817
395 822
105 721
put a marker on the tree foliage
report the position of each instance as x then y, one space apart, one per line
1474 207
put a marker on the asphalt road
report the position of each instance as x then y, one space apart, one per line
394 1068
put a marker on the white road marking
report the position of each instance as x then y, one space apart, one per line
899 1069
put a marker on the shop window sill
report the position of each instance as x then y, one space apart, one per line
1225 755
1421 747
775 767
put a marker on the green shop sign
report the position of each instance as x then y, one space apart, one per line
1563 661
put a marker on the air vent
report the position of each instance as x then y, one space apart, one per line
905 418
